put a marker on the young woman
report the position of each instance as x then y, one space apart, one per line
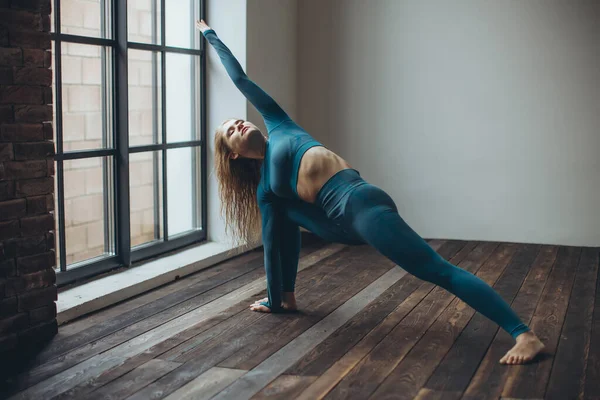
292 180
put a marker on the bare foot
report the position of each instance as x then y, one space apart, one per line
527 347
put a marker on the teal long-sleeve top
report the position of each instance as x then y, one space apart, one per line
286 144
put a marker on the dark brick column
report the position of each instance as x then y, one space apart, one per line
27 277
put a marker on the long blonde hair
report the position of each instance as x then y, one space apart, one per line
238 183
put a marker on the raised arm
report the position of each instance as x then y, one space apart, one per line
271 112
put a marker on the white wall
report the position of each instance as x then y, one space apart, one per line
480 118
271 49
228 19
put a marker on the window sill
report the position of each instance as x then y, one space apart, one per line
105 291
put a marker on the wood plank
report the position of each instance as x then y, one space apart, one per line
61 345
364 378
155 301
80 373
371 266
100 316
531 380
430 394
212 352
491 376
207 385
340 368
284 387
255 380
108 376
409 376
134 380
592 372
454 373
322 357
567 378
248 357
144 326
218 325
310 287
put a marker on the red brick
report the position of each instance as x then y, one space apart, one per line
28 282
37 205
33 187
12 209
46 25
8 343
50 241
21 19
9 229
37 298
34 57
50 167
8 268
38 334
48 59
10 56
6 76
33 151
36 225
6 152
8 306
4 42
42 6
7 190
6 114
21 95
48 131
48 95
30 40
25 169
15 323
21 132
42 314
33 76
38 262
27 246
33 113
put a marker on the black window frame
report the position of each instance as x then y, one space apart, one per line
117 215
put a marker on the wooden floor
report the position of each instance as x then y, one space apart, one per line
366 330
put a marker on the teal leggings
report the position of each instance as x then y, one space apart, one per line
351 211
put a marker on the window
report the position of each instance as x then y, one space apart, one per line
130 131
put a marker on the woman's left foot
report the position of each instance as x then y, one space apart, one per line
528 346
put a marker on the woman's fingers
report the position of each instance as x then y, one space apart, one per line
260 308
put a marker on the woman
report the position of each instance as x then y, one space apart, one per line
299 182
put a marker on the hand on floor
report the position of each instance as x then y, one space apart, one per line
256 306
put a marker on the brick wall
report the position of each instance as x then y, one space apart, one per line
27 277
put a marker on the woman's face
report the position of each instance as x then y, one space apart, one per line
240 136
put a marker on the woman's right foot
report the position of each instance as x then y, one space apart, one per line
527 347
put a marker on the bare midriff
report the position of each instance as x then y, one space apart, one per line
317 165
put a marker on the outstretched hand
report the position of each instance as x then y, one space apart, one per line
256 306
201 26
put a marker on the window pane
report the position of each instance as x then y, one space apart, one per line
145 111
86 106
86 17
143 21
180 20
89 208
145 183
182 181
183 116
